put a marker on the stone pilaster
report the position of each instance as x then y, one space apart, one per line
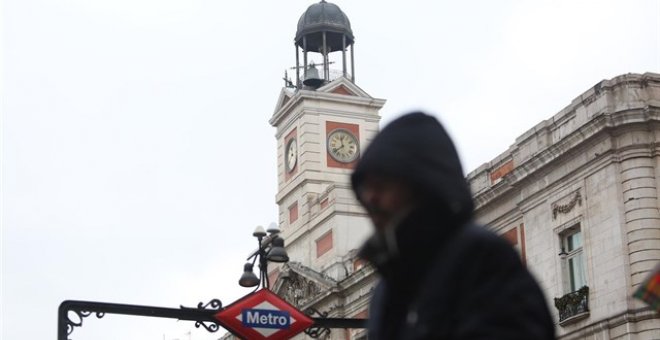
641 210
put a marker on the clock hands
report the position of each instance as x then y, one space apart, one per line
345 147
342 146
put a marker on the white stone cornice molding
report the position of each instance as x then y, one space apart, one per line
358 97
644 111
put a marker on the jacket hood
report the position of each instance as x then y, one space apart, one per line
416 149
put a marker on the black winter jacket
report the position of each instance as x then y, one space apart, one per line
447 278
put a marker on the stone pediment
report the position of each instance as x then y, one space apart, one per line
343 86
298 284
285 96
340 86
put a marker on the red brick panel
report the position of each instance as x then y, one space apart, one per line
342 90
511 236
355 130
517 239
293 212
324 243
501 171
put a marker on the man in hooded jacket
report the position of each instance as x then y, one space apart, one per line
442 277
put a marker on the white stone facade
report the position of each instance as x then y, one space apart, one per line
333 283
593 168
326 211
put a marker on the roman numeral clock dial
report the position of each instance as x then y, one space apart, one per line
343 146
291 154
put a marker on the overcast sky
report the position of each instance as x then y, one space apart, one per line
137 157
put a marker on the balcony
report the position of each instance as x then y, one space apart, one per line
573 306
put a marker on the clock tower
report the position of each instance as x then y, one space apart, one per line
323 121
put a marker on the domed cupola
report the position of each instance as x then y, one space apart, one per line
324 17
323 29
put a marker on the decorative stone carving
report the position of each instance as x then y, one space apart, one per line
567 207
298 290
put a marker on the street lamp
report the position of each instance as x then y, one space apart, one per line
277 252
248 279
271 248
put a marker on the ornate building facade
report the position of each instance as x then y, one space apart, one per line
577 195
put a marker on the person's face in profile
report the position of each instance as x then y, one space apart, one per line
385 199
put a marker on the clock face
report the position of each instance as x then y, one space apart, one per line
343 146
291 156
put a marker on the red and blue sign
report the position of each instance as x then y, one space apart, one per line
263 315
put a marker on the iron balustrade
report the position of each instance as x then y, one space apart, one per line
573 304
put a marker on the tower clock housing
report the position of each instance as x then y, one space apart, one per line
324 121
320 134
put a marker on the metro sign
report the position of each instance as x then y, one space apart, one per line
263 315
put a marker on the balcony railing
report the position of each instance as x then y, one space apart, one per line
573 304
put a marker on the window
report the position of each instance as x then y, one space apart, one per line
573 257
574 304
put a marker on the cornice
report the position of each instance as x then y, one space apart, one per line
623 93
312 224
606 122
360 277
301 95
300 180
540 196
343 81
608 323
504 220
336 297
312 274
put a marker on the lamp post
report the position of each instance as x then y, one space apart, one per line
71 313
271 248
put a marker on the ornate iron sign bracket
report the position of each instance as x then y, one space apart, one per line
203 315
